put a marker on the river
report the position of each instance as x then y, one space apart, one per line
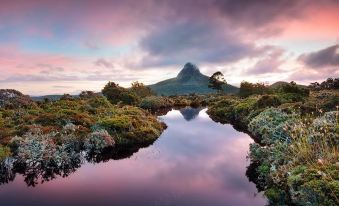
194 162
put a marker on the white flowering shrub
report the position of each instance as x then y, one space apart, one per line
271 125
39 151
98 140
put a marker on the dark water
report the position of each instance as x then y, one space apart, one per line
195 162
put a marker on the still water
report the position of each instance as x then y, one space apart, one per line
195 162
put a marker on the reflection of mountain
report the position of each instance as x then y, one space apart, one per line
190 113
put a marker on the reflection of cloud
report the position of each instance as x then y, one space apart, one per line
193 163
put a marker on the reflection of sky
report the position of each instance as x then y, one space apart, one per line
196 162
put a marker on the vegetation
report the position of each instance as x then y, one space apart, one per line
48 137
296 155
330 83
247 89
141 90
156 102
217 81
116 94
294 160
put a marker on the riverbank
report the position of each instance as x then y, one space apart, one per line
296 154
48 137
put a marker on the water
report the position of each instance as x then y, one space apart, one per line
195 162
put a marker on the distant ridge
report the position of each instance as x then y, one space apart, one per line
189 80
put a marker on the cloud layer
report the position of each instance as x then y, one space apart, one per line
90 41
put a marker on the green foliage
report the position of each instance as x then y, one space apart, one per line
296 160
155 102
4 152
217 81
2 121
268 101
116 123
116 94
276 195
293 92
247 89
141 90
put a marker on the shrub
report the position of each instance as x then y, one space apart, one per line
98 140
247 89
10 98
2 121
88 95
268 101
4 152
155 102
314 140
66 97
116 123
141 90
115 94
271 125
39 151
292 87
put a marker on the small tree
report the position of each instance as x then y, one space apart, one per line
115 94
217 81
141 90
248 88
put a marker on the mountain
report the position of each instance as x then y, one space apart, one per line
189 80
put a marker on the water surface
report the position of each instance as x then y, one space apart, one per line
195 162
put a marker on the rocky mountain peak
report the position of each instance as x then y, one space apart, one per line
189 70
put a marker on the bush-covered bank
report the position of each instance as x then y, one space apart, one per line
49 137
161 102
296 158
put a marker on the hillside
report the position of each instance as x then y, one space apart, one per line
189 80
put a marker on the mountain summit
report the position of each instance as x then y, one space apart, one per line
189 80
189 71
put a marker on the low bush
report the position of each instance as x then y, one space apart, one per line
271 125
98 140
4 152
155 102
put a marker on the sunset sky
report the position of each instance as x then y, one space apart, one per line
56 47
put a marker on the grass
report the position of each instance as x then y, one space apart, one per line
297 157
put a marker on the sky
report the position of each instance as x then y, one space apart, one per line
56 47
